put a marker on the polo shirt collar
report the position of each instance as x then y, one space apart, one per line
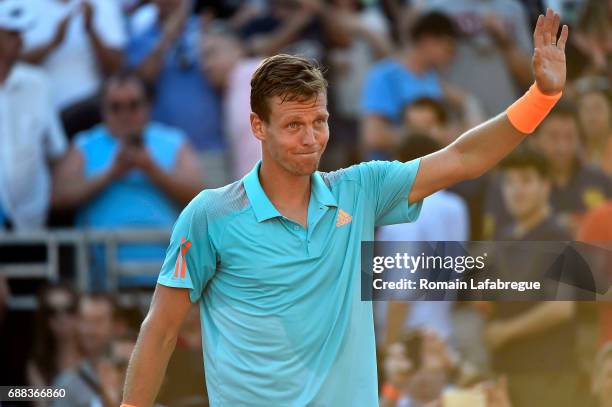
321 191
263 207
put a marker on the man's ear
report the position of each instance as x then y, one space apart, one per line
257 127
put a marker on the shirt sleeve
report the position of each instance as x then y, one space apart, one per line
191 257
389 183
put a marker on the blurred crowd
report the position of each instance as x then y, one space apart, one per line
115 113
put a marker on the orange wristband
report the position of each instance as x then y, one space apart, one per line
529 111
390 392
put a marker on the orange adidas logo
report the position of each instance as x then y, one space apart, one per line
180 258
343 218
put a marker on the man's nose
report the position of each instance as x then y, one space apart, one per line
308 136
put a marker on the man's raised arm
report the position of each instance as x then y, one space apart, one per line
482 147
155 345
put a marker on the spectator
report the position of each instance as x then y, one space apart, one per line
594 34
361 37
31 138
128 171
576 185
442 210
533 342
291 27
596 228
393 83
95 330
495 44
225 63
417 368
77 43
429 116
595 115
166 55
233 13
602 376
362 40
55 349
112 372
526 187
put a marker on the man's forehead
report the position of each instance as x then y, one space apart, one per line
290 104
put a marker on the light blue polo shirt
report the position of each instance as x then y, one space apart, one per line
282 318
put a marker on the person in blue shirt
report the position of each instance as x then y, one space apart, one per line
396 82
166 54
127 172
273 260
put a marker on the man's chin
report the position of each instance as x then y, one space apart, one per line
306 168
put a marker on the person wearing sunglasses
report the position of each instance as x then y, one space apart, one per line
127 172
55 349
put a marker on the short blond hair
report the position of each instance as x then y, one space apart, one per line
289 76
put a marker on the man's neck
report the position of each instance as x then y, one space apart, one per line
288 193
531 221
414 62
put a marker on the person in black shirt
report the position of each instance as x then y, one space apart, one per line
532 342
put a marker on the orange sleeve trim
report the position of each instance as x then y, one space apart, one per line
531 109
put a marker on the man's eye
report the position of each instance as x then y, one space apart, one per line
320 121
293 125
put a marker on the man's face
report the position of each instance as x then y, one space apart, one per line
524 191
126 111
558 140
95 326
10 46
594 110
440 51
219 57
62 309
296 134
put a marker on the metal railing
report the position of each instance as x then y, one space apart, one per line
81 241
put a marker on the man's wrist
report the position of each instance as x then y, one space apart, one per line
531 109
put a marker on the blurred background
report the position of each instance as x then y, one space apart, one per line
115 113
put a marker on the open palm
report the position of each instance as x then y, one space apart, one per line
549 53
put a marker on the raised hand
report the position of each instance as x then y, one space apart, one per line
549 53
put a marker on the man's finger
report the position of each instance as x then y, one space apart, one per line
555 27
563 37
538 39
548 22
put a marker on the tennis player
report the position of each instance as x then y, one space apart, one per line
274 259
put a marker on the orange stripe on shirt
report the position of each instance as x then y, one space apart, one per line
183 252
